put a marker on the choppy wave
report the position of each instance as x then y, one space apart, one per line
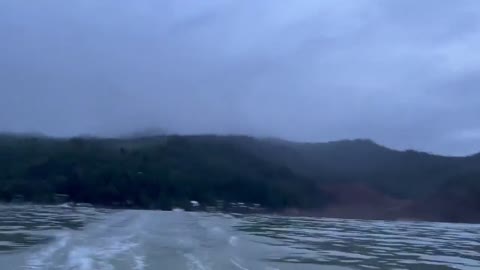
22 226
369 244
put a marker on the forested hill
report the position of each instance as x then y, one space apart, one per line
155 172
161 171
403 174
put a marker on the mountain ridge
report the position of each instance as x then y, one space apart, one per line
155 133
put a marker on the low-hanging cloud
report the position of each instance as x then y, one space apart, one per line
404 73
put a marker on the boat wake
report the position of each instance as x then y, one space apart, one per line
141 240
104 246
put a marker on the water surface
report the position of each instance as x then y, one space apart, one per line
83 238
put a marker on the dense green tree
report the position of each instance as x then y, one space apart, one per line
147 173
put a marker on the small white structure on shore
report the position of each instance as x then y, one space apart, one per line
195 203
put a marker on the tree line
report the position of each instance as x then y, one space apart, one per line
156 173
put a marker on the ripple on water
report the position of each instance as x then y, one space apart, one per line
373 244
69 238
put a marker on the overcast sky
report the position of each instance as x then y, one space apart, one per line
405 73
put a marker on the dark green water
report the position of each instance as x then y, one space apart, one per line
83 238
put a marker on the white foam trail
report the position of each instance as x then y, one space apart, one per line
194 263
100 255
233 241
80 258
237 264
41 259
139 263
96 248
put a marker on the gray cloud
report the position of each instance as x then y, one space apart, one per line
404 73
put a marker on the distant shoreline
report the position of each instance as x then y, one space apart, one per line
306 213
